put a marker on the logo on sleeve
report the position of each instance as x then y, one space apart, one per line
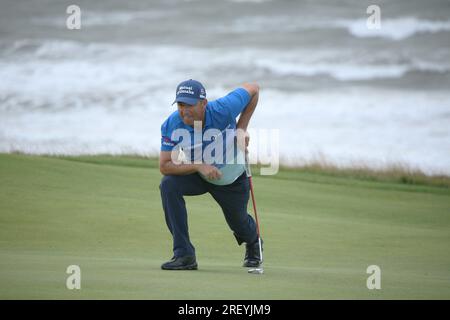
167 142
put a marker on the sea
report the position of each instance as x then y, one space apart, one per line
337 87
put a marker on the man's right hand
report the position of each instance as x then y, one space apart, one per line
167 167
209 171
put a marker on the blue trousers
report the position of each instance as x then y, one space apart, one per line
232 199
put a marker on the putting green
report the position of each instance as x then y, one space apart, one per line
320 232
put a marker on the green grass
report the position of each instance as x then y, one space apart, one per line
321 232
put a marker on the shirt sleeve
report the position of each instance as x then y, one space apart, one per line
166 143
234 102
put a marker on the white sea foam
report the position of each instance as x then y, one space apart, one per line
342 72
390 28
101 71
395 29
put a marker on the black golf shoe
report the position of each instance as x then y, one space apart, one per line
252 257
180 263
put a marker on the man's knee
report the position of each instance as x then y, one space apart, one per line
168 183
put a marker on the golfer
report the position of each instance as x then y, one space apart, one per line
227 183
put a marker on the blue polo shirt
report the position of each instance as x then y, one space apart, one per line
220 115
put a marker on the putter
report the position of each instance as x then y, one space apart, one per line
260 269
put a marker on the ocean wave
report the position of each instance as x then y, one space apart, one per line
349 72
337 71
394 29
48 75
390 28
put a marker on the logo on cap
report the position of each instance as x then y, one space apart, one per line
190 92
184 89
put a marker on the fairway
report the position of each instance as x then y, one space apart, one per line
320 234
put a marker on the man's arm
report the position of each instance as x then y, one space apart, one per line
167 167
244 119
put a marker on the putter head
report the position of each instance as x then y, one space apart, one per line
256 270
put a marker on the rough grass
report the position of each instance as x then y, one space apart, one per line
398 173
